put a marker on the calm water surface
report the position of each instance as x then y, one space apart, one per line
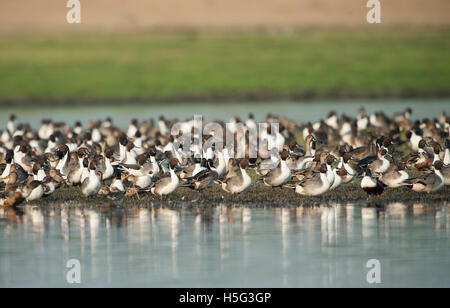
228 246
306 111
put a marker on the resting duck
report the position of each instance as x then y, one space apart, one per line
92 184
395 176
279 175
238 183
339 174
203 179
33 191
166 185
428 182
315 185
421 160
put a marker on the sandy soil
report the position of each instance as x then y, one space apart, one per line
48 16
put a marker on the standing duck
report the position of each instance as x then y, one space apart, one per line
372 186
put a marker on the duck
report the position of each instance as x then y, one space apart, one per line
92 184
63 155
106 167
238 183
446 159
446 174
349 168
315 185
421 160
22 157
414 136
203 179
306 161
9 159
33 191
50 185
339 174
140 173
371 185
395 176
428 182
279 175
75 175
11 128
381 164
167 185
12 201
363 152
193 169
115 191
266 165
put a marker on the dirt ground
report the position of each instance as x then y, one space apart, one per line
49 16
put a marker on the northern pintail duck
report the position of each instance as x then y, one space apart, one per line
446 159
339 174
395 175
314 185
167 185
12 201
414 136
202 180
92 184
240 182
428 182
279 175
420 160
33 191
372 185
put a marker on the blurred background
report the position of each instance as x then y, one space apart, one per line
200 55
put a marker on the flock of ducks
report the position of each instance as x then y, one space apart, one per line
101 159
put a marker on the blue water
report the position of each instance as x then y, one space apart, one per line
228 246
300 111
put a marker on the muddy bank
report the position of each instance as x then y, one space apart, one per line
257 195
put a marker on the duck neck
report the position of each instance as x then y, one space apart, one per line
173 175
438 173
436 157
447 157
62 162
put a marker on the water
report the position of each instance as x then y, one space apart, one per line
306 111
228 246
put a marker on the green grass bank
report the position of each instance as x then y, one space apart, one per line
183 66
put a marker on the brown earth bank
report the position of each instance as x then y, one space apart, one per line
49 16
255 196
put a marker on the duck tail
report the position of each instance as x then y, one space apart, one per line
289 185
188 185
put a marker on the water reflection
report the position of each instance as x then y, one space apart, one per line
225 245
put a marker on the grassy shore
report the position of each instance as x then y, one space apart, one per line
180 66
